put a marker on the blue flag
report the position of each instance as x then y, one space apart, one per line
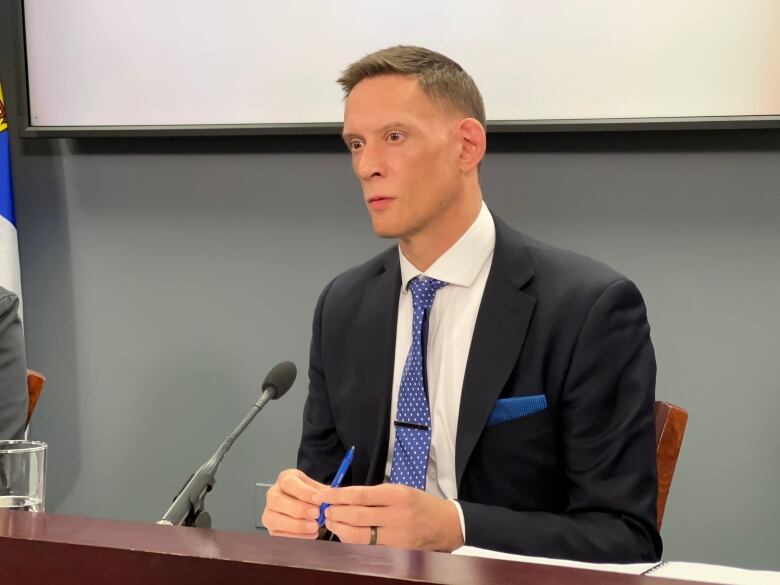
9 251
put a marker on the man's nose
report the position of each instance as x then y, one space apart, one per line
370 163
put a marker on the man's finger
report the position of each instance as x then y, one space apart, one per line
298 485
375 495
350 534
278 501
278 522
361 515
308 536
312 482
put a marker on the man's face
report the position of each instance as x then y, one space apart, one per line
404 151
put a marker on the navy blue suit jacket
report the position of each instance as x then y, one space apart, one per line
576 480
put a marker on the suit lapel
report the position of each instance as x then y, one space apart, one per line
376 327
502 322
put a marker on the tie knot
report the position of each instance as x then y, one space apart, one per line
423 291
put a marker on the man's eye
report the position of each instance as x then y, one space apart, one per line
355 145
394 136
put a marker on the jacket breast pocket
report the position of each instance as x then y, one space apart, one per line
519 429
516 464
514 407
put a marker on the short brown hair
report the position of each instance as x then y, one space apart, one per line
441 78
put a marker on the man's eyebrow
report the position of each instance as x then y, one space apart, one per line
391 125
348 135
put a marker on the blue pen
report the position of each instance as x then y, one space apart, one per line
337 481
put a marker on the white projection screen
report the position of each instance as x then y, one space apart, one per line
127 65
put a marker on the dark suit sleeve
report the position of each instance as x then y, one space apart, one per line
13 370
320 451
608 449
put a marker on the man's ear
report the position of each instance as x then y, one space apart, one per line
473 142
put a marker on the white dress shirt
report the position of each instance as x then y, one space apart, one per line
465 267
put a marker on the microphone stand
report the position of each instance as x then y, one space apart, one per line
197 516
188 507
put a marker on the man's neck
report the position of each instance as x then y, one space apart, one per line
424 248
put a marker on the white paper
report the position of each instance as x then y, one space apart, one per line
716 574
631 569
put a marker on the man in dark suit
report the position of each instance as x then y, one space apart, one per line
498 392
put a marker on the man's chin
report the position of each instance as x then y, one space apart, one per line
383 230
387 235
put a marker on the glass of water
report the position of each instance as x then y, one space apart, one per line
22 475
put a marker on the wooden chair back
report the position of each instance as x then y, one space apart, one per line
670 422
35 381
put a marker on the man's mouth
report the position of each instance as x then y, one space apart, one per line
377 202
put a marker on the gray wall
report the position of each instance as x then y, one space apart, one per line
162 278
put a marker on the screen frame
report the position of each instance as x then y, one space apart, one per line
28 130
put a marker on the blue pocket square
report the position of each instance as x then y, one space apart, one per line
511 408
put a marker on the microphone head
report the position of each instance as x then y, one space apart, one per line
280 378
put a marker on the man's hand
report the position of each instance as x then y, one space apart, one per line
289 508
405 517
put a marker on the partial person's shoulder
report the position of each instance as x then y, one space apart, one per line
9 302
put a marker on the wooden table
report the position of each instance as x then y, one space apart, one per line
56 549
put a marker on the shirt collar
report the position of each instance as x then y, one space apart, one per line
461 263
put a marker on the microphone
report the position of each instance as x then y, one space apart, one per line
187 508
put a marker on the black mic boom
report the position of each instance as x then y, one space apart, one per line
187 507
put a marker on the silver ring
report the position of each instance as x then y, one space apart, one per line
373 535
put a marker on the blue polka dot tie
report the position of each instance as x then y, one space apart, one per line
412 415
